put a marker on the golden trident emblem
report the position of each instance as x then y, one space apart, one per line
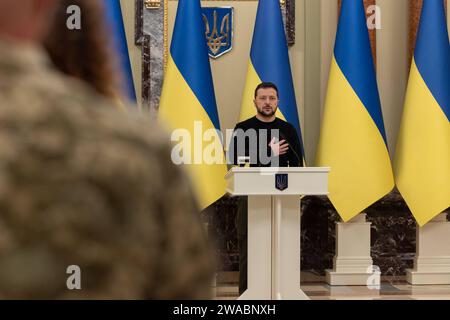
216 40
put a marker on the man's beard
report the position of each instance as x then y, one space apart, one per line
267 114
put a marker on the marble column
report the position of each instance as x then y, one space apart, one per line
153 55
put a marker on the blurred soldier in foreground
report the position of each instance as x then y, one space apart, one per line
84 184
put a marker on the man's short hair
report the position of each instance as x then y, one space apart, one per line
266 85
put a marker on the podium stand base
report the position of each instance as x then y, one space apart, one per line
432 264
274 217
334 278
254 295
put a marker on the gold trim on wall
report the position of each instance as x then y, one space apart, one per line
227 0
152 4
282 2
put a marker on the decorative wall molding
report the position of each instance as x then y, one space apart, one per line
290 22
150 35
143 40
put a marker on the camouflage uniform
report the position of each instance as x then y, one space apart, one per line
84 184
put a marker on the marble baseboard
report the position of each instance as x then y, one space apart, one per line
221 219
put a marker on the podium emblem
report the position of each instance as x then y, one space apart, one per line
281 181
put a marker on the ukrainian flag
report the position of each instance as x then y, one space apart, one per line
422 161
269 62
188 98
353 139
115 23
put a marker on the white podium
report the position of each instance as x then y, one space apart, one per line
274 226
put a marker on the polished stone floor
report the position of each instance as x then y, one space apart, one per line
316 288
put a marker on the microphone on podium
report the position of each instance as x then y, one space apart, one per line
300 159
243 161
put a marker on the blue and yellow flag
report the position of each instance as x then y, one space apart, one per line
188 101
353 139
269 62
422 160
117 29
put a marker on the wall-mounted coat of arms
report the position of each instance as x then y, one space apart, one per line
218 29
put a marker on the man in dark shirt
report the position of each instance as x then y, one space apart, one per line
264 141
267 140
